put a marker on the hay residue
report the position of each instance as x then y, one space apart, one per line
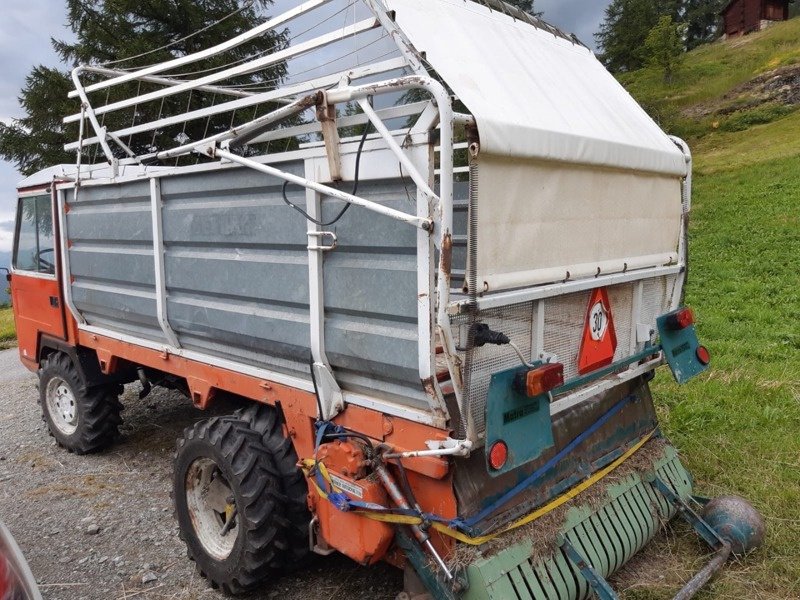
544 531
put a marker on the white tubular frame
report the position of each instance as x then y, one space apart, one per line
434 213
243 69
683 248
203 54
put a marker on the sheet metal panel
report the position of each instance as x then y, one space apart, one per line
236 265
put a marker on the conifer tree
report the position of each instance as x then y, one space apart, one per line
127 34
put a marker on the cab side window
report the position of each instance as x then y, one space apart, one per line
34 249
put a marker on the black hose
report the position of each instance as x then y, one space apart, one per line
353 193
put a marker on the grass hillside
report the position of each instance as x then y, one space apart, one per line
739 426
728 85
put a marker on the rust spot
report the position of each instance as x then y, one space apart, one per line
447 254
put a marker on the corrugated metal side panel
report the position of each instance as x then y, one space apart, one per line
237 275
111 258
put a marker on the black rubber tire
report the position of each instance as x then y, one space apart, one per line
98 408
268 422
247 466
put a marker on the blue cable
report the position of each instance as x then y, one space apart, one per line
345 504
536 475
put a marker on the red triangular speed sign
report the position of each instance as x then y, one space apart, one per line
599 341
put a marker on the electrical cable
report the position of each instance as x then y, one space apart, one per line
353 193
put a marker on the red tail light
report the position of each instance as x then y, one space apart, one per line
681 319
703 355
498 455
540 380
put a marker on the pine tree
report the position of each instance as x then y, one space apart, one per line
625 28
702 18
526 5
664 47
113 32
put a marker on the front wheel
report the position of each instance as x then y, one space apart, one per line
81 419
228 503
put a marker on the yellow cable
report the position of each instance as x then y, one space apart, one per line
461 537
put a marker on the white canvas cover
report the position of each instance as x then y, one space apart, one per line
574 176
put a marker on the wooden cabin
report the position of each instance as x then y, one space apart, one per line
745 16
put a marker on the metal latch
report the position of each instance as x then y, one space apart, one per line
321 235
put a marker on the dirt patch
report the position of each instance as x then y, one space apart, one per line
780 86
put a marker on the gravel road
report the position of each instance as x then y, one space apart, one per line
101 526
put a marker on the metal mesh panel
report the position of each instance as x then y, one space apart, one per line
564 320
516 322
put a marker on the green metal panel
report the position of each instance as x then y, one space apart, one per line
607 537
523 423
680 350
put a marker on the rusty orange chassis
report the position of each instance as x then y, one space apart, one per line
430 478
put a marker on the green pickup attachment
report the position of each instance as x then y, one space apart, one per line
605 535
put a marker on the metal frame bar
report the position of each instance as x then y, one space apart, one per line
163 81
252 100
425 224
596 581
157 206
393 112
296 107
686 200
558 289
203 54
243 69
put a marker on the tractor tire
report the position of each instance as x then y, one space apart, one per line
268 422
229 504
81 419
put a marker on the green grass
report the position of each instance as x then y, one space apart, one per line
8 332
709 73
738 426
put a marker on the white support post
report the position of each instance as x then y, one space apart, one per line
409 167
66 275
636 315
99 130
537 331
156 207
328 390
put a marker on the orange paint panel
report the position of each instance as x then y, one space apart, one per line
37 310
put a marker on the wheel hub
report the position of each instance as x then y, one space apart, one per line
61 405
212 509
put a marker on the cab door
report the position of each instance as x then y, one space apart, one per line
35 293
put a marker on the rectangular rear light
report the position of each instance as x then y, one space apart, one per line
540 380
680 319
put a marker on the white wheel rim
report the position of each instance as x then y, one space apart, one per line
62 406
207 495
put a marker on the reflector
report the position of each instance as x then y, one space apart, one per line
498 455
703 355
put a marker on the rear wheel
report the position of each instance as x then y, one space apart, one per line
81 419
267 421
229 504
